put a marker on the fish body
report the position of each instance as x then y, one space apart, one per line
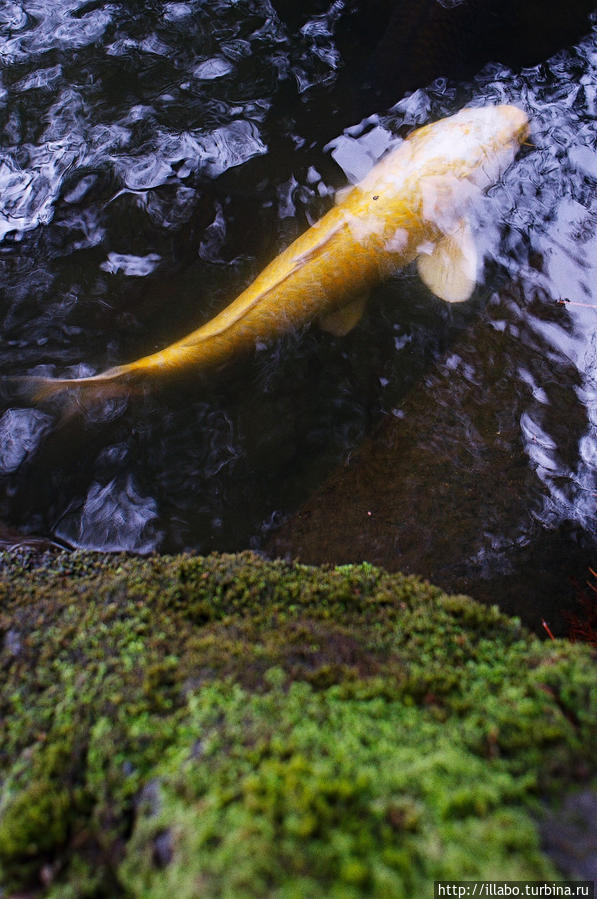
410 206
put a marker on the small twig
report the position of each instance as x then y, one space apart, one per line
566 302
547 628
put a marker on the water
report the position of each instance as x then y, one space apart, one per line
154 157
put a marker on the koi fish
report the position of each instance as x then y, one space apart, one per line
410 207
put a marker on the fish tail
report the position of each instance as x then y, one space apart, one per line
42 390
37 389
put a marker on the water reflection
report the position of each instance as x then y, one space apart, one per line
151 164
114 516
21 431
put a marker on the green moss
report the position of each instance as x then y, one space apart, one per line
35 820
305 793
234 727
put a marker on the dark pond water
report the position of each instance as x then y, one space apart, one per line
154 157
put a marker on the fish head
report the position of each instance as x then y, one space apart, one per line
505 122
465 143
456 158
479 143
514 122
497 130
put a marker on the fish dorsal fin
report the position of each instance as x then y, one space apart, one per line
343 320
450 270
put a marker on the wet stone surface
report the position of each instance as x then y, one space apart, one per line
569 835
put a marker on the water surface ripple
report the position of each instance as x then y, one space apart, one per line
153 159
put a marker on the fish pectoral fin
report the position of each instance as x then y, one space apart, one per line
450 270
343 320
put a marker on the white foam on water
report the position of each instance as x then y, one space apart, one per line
21 431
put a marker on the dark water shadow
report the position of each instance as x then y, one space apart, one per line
450 487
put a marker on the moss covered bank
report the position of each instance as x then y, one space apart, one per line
225 726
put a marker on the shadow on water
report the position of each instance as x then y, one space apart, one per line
153 162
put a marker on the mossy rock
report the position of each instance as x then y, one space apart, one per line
227 726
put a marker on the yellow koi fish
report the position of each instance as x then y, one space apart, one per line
410 206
